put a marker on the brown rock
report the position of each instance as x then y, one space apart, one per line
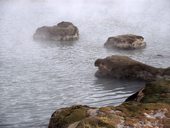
63 31
124 67
128 41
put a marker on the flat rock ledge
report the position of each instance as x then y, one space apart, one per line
128 41
123 67
63 31
149 108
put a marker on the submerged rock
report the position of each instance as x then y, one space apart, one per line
124 67
127 41
151 111
63 31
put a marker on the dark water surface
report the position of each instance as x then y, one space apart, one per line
36 78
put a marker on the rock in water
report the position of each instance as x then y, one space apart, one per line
63 31
124 67
128 41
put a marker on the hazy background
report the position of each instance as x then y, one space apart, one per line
36 78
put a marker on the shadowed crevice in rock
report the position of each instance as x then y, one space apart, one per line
153 92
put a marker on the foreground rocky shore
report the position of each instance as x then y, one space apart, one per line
148 108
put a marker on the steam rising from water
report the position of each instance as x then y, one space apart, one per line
36 78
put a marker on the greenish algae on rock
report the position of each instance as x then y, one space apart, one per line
65 116
157 91
148 108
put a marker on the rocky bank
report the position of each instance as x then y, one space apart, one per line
148 108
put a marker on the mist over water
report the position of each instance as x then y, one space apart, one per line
36 78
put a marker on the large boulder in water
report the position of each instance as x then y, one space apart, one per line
63 31
128 41
124 67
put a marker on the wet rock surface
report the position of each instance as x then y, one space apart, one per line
63 31
151 111
126 68
128 41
